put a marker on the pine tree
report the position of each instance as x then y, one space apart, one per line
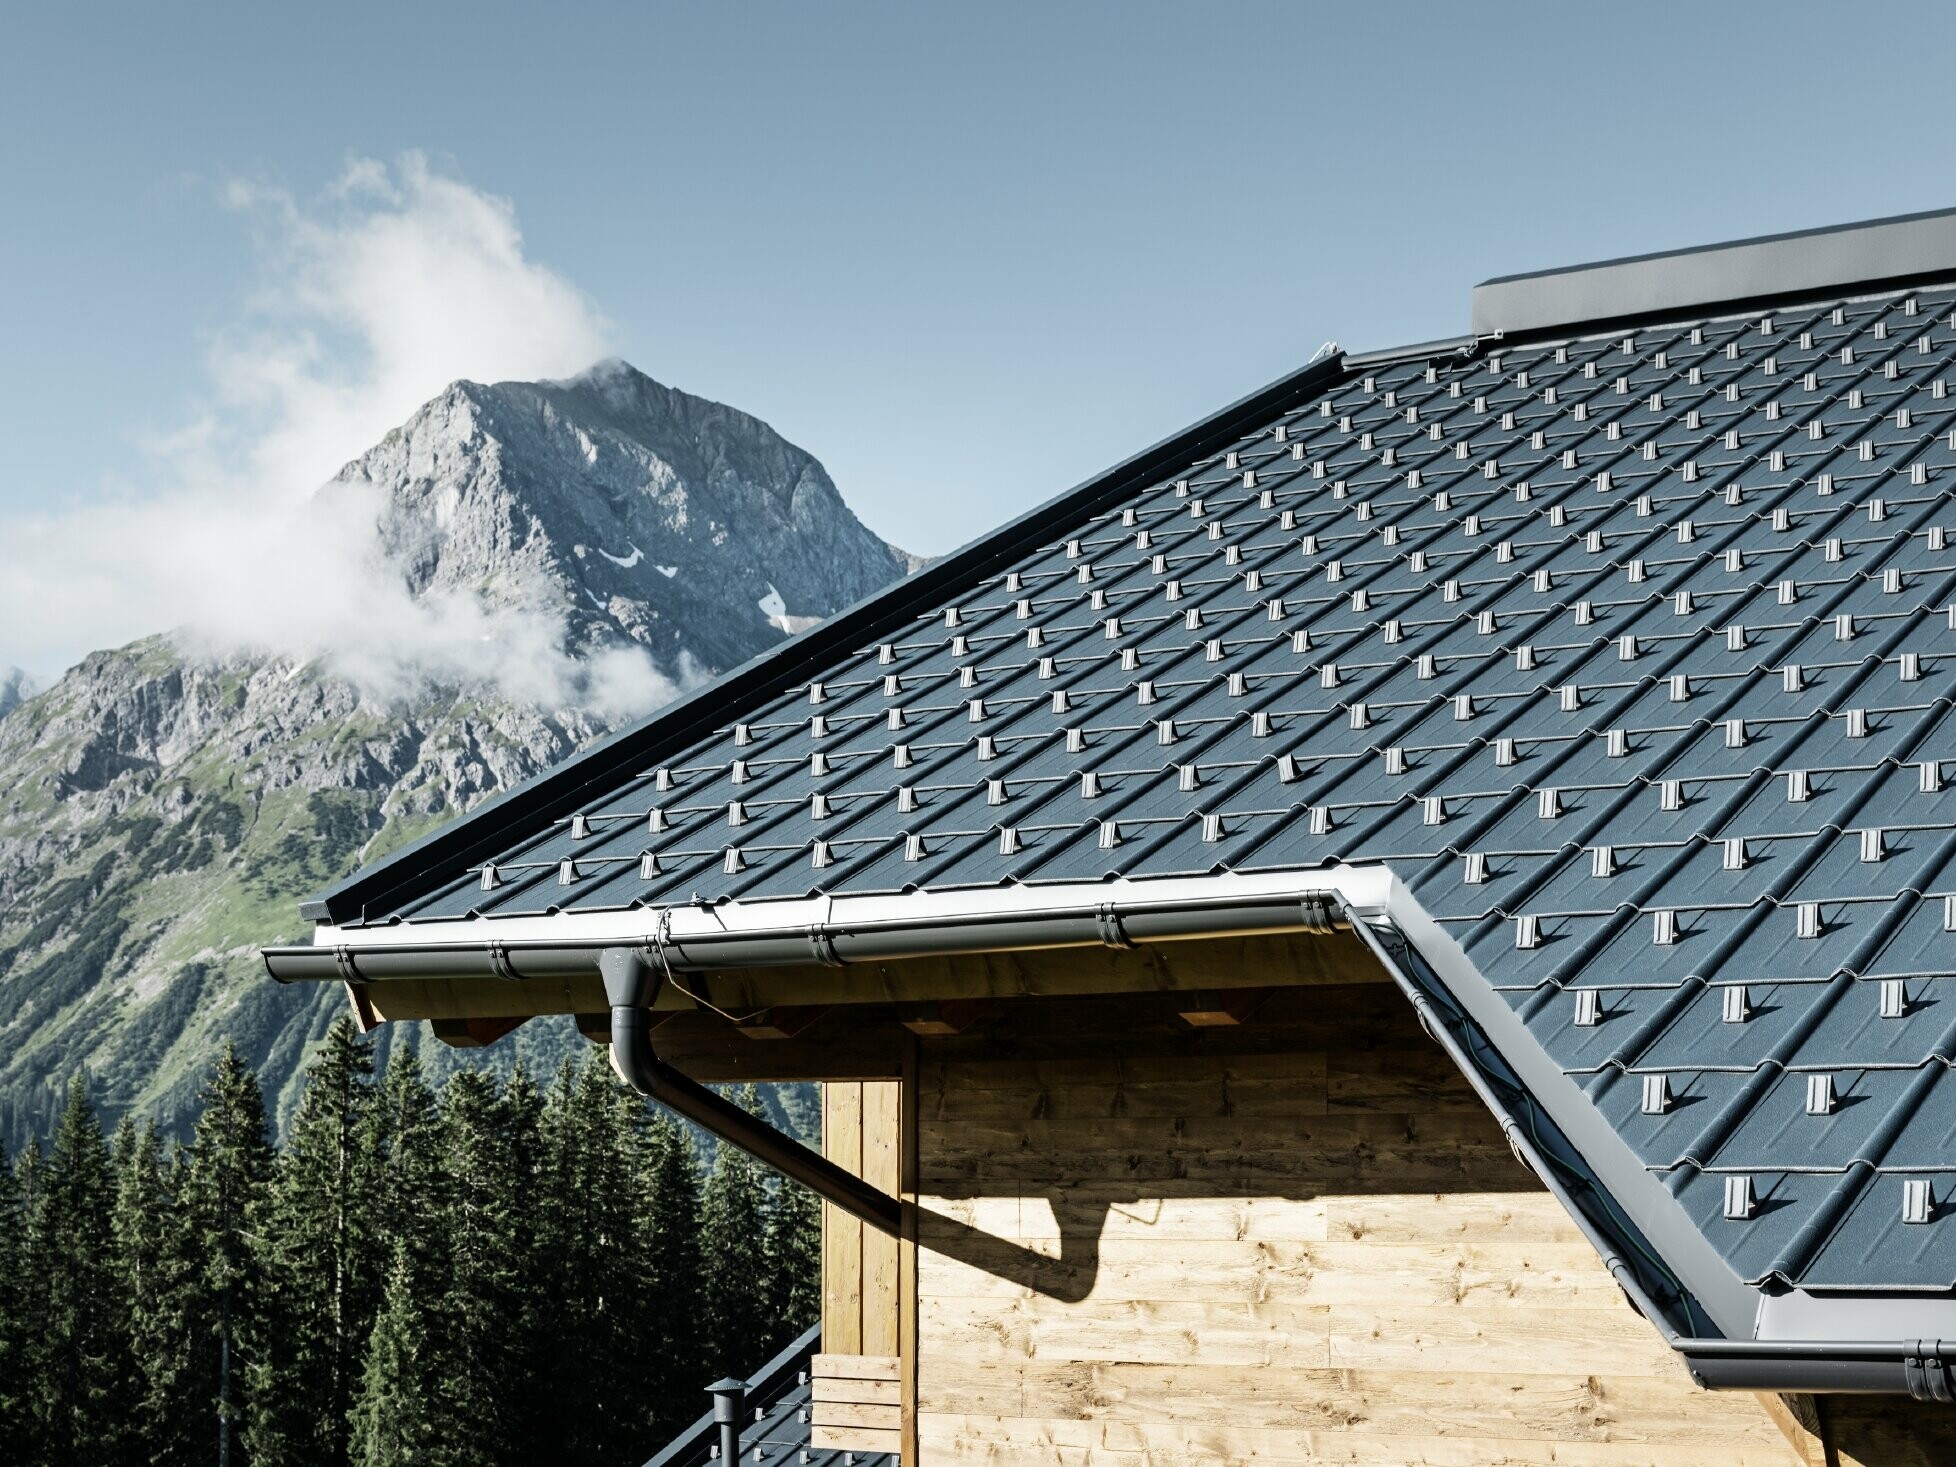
158 1262
595 1409
669 1215
527 1417
397 1417
80 1403
14 1379
733 1227
227 1166
472 1359
405 1135
794 1263
318 1257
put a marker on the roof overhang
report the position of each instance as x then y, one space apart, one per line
1732 1334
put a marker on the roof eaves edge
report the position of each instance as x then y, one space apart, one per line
485 830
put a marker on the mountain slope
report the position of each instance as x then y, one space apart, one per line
160 816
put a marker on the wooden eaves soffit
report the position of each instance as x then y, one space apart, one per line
849 1023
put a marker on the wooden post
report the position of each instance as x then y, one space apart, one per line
907 1253
842 1235
858 1378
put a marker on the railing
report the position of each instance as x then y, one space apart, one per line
695 1444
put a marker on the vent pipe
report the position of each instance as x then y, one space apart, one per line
729 1405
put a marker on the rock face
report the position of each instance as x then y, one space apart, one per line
160 816
651 516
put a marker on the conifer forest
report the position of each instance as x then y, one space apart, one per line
495 1272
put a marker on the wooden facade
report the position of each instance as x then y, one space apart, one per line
1201 1203
1146 1240
1317 1251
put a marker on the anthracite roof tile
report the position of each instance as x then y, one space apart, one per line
1683 592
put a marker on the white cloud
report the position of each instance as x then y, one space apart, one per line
374 296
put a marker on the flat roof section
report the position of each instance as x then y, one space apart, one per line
1784 267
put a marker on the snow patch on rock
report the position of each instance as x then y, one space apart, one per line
775 609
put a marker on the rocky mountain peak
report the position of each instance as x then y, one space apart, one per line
635 511
161 815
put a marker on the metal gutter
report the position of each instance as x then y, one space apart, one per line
1922 1369
838 932
420 867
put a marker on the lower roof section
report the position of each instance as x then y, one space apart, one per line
1690 1279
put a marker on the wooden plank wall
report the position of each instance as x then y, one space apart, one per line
1864 1431
857 1380
1139 1250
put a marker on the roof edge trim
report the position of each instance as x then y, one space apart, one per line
1920 1368
1417 351
1775 267
417 868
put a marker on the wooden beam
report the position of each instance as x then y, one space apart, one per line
472 1033
910 1096
1798 1420
364 1017
781 1022
1215 1008
842 1235
882 1151
940 1017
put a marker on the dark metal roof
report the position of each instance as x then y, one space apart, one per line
1632 654
778 1429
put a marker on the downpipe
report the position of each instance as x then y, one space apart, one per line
631 986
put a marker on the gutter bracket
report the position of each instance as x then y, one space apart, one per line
1926 1368
821 943
1112 932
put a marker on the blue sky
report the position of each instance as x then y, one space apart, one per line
965 255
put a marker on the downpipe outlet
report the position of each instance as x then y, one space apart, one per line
631 987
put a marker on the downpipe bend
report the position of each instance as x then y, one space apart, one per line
632 986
